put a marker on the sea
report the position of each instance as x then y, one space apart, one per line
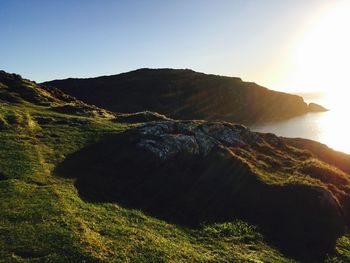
331 128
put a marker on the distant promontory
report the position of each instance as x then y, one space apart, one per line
186 94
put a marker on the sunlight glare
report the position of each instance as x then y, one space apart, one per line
322 58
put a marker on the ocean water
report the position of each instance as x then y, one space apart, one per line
331 128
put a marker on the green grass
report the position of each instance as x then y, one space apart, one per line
43 219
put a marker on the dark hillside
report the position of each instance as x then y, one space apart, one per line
185 94
18 91
194 172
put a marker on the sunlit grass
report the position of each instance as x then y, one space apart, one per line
44 220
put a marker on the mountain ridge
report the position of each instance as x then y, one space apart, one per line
185 94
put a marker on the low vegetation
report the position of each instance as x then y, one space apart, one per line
43 217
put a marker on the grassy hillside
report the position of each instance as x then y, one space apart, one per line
190 172
185 94
44 219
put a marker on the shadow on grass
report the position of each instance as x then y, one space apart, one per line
188 191
2 177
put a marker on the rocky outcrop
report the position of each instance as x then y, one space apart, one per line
313 107
184 94
189 172
191 138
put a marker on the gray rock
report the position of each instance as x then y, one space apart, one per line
166 139
169 145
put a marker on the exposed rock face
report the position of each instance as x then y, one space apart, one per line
191 138
313 107
185 94
191 172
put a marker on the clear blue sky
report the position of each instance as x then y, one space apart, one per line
44 40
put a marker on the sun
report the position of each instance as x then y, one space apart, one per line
322 57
